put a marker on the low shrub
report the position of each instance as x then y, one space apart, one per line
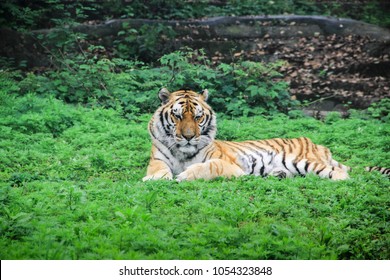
143 43
36 115
239 88
380 110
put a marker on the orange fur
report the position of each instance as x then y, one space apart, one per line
183 130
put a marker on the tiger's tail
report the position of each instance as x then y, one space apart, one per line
382 170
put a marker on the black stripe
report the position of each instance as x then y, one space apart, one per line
292 144
207 155
210 117
257 148
207 118
262 168
256 151
232 144
270 145
319 171
282 147
208 125
271 157
196 153
307 147
296 167
254 162
171 164
306 166
284 161
207 131
160 159
284 141
163 123
152 133
300 147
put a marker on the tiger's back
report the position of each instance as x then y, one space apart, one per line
274 157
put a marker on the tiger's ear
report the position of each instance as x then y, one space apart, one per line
164 94
205 94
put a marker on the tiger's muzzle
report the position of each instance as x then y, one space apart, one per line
187 131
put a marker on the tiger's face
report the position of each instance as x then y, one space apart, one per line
187 121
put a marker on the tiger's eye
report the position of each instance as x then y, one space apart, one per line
176 116
197 117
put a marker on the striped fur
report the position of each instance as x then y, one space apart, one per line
183 130
383 170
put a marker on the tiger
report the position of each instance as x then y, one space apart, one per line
183 131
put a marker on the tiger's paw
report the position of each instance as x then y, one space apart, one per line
158 176
280 173
185 176
340 175
195 171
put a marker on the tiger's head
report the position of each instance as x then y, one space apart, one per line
184 123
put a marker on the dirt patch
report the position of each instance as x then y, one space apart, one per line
348 70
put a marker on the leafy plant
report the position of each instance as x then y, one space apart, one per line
14 226
45 116
238 88
380 110
143 43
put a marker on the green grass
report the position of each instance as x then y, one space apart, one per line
70 188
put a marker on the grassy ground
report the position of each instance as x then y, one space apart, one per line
70 188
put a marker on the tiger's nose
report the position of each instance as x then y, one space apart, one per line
188 134
188 137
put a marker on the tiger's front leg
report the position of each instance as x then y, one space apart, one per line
158 169
210 169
